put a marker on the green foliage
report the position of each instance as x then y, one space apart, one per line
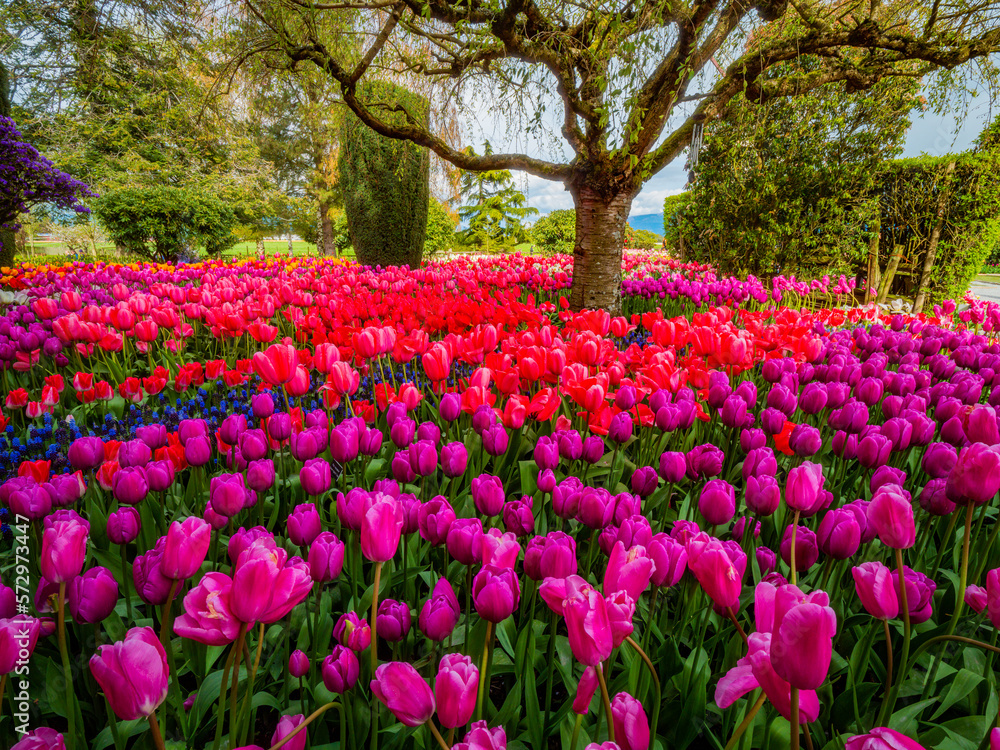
787 186
642 239
385 181
555 232
440 227
910 191
494 210
163 222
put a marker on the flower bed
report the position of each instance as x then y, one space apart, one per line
272 503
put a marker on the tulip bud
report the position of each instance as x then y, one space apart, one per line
717 502
488 495
133 674
455 689
496 593
123 525
186 547
403 691
874 584
439 615
393 620
92 596
340 670
630 723
298 664
891 513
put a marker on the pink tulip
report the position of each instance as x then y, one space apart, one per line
403 691
455 689
207 616
628 571
381 528
585 690
439 615
802 639
720 576
340 670
891 512
882 738
287 725
186 547
496 593
874 584
630 722
133 674
64 547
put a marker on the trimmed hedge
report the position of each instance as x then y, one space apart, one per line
386 182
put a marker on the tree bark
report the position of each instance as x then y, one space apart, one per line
260 247
931 255
597 254
327 246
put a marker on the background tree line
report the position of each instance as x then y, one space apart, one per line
812 186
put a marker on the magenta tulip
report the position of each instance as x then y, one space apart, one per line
874 584
439 615
381 528
455 689
186 547
404 692
630 722
207 616
133 674
496 593
340 670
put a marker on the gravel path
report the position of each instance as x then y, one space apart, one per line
986 290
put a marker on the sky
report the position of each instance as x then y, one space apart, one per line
932 134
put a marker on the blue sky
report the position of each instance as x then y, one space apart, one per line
930 133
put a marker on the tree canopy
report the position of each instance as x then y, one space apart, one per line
621 74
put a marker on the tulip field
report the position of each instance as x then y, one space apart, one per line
301 503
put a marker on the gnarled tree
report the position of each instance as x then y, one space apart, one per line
632 77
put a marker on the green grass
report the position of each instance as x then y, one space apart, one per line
56 252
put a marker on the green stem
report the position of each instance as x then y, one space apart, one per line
794 726
222 695
791 552
607 702
576 732
904 607
888 657
549 660
747 720
67 669
656 684
246 709
374 649
155 729
126 575
482 671
437 734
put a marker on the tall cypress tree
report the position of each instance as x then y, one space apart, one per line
6 234
386 182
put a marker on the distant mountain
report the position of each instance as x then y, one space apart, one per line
649 222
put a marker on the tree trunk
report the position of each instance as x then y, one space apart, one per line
7 247
260 247
327 246
931 255
291 249
597 253
890 274
874 270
